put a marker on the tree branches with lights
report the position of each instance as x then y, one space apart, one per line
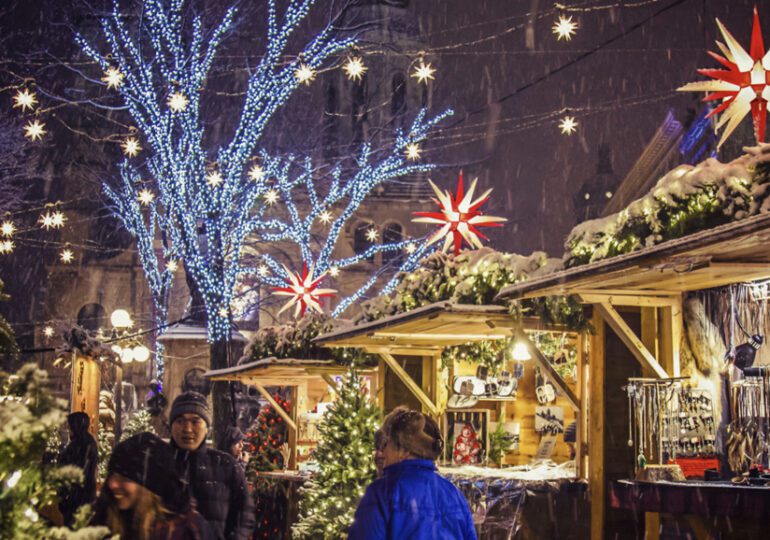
199 205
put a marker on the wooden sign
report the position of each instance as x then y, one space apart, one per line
84 394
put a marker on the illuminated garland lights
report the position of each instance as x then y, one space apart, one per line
203 223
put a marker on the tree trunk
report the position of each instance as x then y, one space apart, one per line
220 352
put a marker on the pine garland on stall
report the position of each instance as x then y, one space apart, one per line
28 482
345 463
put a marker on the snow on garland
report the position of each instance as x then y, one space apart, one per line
472 277
685 200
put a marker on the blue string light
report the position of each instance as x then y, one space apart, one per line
204 213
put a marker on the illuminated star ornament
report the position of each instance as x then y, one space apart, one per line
24 99
172 266
48 331
303 290
214 178
355 68
113 77
256 173
413 151
131 147
52 220
459 218
6 246
371 235
742 87
564 28
7 228
304 74
34 130
66 256
568 125
146 197
424 72
177 102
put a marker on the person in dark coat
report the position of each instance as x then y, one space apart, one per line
232 443
143 497
411 501
216 481
80 452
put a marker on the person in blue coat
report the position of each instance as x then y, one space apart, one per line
411 501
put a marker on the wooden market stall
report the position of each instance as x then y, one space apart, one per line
636 301
409 347
310 381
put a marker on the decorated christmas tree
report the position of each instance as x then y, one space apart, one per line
266 438
345 463
28 484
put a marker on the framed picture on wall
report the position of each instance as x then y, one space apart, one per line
467 436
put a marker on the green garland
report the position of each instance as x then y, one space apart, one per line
674 208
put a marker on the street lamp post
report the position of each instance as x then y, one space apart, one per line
121 321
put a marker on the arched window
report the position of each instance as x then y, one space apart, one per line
331 122
359 110
398 98
393 232
361 240
92 317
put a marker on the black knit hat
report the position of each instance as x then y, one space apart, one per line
190 402
148 461
231 436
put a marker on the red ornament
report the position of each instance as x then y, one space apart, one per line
303 290
742 87
460 217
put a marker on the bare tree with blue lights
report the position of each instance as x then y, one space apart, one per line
184 201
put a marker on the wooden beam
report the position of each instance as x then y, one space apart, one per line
548 370
582 414
293 434
596 409
265 394
409 383
627 336
630 300
331 382
671 328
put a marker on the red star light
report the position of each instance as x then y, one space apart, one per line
303 290
742 87
459 218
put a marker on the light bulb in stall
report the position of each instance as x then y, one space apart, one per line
520 352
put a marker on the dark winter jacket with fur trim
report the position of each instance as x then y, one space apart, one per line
219 487
412 501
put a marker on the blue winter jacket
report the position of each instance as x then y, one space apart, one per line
412 502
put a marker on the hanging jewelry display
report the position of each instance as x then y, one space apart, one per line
668 419
747 444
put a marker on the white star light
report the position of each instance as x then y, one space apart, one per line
256 173
6 246
355 68
411 248
334 271
262 271
146 197
48 331
52 220
325 217
172 266
66 256
24 99
131 147
223 312
34 130
564 28
177 102
424 72
304 74
371 235
7 228
271 197
568 125
214 179
113 77
413 151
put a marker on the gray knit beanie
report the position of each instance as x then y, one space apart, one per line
191 402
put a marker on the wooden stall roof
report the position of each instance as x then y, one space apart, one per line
277 371
731 253
428 329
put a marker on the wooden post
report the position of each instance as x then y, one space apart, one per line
413 387
596 480
548 370
629 339
671 329
381 369
292 433
581 415
84 389
650 341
